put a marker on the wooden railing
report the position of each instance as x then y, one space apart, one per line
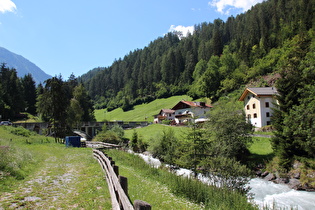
99 145
118 185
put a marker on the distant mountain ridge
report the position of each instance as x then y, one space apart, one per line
22 65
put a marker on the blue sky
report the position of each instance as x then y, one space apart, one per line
65 36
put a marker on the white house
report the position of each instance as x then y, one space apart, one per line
164 114
184 111
188 110
258 105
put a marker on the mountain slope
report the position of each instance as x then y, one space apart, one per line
22 65
213 61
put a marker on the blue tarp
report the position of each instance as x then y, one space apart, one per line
73 141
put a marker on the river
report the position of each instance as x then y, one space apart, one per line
264 193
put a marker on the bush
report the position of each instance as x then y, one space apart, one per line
114 136
164 146
227 172
13 161
20 131
108 137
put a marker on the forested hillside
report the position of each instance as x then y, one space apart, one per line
216 59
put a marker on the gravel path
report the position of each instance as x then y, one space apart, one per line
44 188
72 181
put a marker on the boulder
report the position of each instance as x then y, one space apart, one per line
270 177
264 174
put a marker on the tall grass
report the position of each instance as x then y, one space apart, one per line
17 161
210 196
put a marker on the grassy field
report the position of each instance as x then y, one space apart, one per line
152 131
260 145
261 151
143 112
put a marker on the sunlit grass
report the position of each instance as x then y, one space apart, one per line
261 146
154 130
143 112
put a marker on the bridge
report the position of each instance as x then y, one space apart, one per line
86 130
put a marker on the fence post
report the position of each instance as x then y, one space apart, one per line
141 205
112 163
116 170
124 184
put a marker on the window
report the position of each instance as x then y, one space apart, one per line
268 123
247 107
254 106
267 114
255 115
170 115
267 104
249 116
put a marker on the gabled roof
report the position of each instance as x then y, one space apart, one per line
180 105
259 91
167 111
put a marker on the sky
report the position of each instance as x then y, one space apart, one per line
75 36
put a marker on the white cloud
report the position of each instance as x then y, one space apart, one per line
182 29
221 5
7 6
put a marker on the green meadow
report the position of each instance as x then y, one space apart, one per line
143 112
154 130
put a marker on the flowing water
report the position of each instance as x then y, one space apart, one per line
269 194
264 193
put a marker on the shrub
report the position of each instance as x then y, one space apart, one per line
13 161
227 172
108 137
20 131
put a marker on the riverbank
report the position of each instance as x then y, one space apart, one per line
199 194
300 177
265 194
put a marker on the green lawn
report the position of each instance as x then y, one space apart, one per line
143 112
261 146
261 151
152 131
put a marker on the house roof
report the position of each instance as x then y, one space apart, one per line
167 111
259 91
180 105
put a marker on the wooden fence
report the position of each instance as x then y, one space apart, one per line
118 185
101 145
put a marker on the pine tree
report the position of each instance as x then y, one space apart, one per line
289 95
29 93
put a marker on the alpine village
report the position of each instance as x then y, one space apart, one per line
211 120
